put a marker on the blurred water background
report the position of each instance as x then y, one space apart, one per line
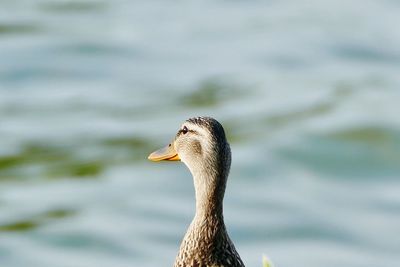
308 92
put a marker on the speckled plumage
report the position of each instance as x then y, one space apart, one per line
206 153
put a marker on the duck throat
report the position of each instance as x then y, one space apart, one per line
207 235
210 190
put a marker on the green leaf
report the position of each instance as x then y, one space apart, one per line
266 262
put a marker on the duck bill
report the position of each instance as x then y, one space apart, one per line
165 153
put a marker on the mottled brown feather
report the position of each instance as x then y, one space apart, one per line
206 243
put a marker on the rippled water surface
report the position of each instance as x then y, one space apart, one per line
308 93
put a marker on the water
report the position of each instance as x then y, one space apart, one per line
308 93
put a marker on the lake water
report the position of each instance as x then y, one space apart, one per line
308 93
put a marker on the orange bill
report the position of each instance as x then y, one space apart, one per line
165 153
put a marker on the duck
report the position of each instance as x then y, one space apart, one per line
201 145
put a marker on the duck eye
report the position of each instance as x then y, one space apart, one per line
184 130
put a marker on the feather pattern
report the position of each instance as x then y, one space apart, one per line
207 154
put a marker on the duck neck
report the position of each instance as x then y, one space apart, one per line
210 189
